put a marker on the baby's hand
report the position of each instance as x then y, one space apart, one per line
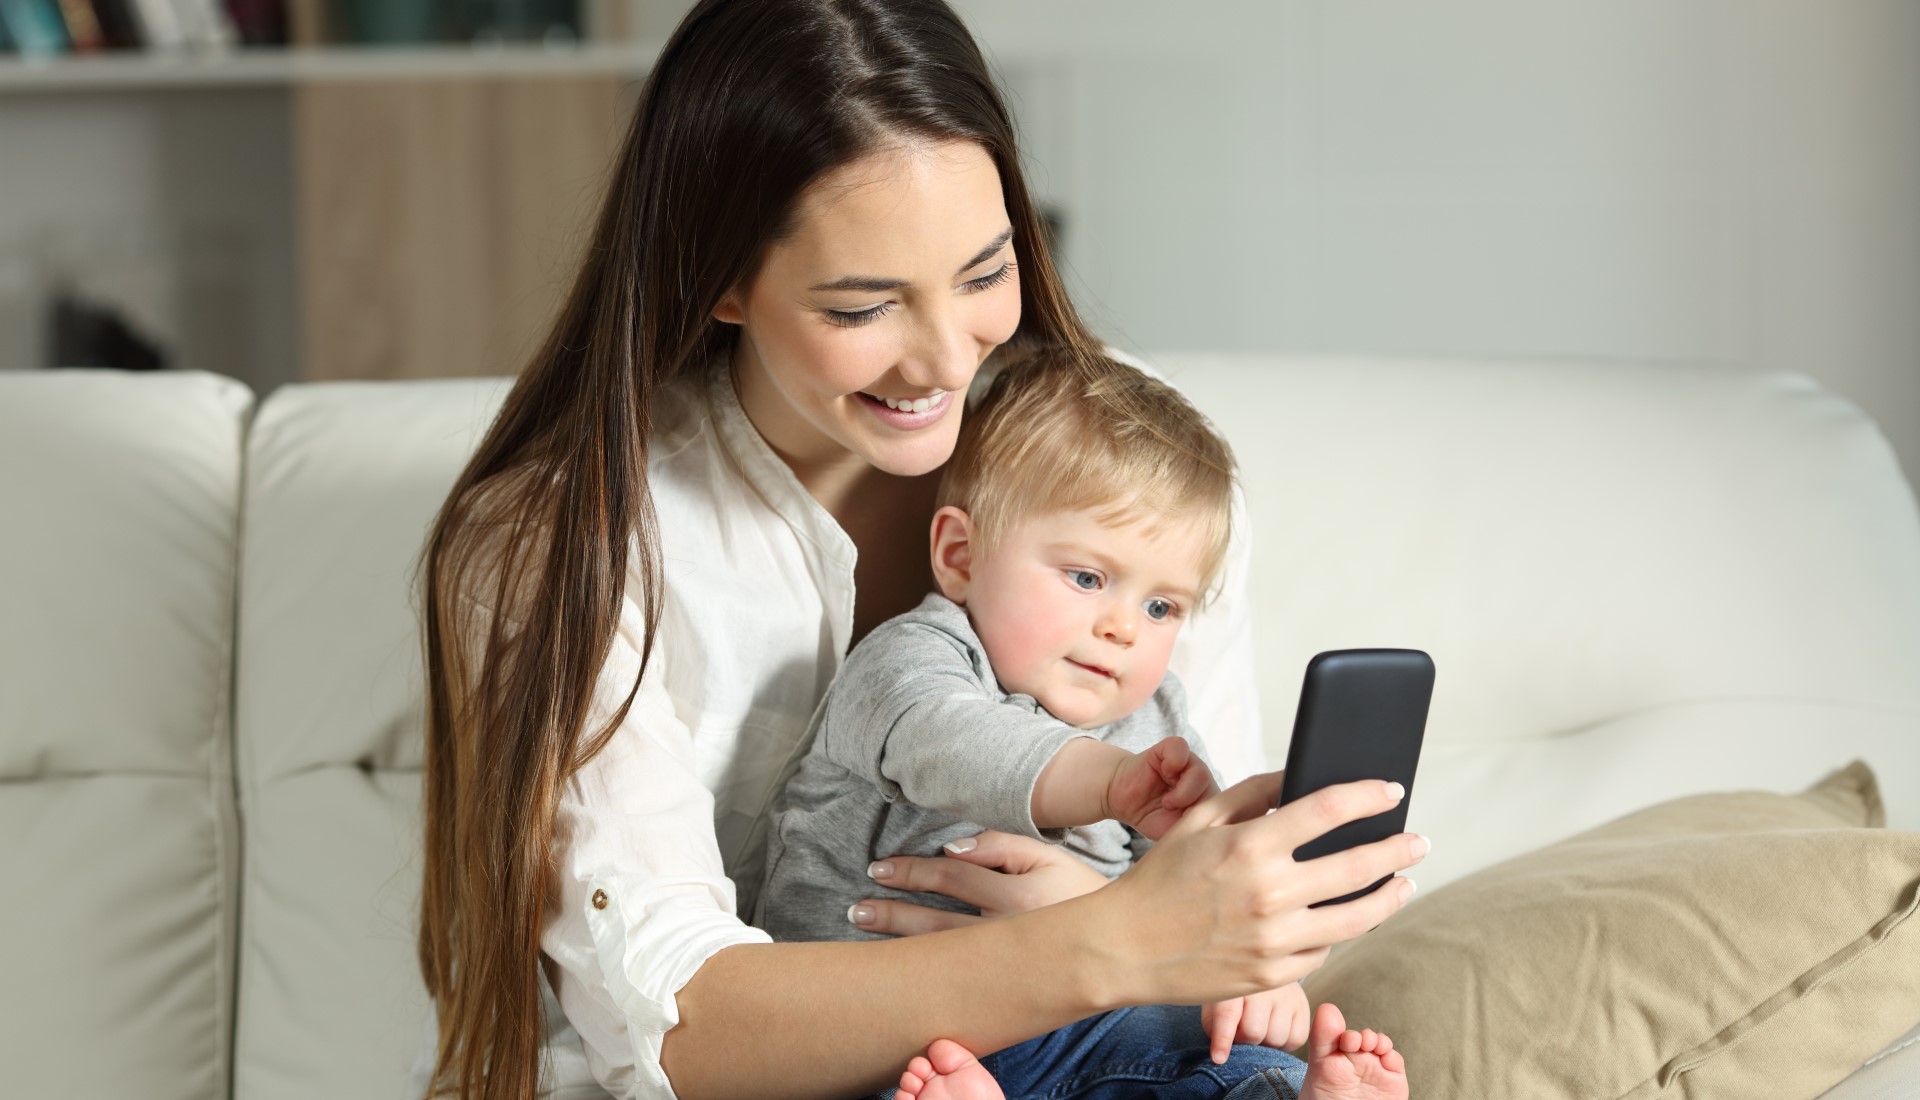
1278 1018
1154 787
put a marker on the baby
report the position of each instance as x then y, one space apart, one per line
1084 515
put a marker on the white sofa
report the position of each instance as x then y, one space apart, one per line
1636 583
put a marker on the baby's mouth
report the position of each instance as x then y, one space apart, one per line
1108 673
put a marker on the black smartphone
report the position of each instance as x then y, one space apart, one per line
1362 715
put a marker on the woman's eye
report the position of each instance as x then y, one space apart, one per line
1158 609
1085 579
850 318
988 282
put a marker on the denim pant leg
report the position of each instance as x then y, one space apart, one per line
1157 1051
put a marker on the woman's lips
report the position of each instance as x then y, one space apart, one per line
906 420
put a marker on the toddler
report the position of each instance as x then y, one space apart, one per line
1084 515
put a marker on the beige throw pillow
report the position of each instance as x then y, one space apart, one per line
1741 945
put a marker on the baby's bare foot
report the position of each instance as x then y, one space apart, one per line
949 1071
1351 1065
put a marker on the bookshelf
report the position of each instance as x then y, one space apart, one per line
290 214
274 67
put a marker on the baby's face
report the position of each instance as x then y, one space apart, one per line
1082 615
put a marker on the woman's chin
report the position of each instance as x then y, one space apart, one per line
912 456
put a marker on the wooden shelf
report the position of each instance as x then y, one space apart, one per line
276 67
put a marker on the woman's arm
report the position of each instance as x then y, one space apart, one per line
824 1020
1217 909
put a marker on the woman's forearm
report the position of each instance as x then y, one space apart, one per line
1072 789
837 1020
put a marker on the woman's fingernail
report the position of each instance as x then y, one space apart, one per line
1407 891
964 844
1421 846
1396 792
880 868
860 914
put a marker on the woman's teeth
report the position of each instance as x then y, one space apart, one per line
918 404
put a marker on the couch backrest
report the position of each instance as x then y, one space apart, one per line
1636 582
117 555
342 482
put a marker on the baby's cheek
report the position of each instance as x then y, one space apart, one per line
1011 651
1147 678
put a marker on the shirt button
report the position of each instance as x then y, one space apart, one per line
599 899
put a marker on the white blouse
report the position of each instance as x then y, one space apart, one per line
659 835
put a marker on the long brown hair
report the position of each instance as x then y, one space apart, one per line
525 566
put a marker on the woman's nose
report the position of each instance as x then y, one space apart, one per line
944 355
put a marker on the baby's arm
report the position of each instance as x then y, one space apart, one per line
910 714
1089 780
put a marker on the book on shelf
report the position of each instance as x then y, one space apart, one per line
83 26
119 24
48 28
35 26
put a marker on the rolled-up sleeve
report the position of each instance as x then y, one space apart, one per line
641 899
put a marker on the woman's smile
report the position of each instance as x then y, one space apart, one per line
908 414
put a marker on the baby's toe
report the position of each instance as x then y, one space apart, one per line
1349 1042
1394 1063
1386 1045
948 1056
1368 1038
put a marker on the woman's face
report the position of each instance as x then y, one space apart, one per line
895 284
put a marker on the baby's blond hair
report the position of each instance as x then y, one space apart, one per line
1067 432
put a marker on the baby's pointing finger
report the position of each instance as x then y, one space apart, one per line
1250 798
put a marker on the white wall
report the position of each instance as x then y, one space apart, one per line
1718 181
1712 181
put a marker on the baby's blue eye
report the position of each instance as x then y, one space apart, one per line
1158 609
1085 579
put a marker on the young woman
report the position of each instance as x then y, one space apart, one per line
713 478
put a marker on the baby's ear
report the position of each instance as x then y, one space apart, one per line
953 540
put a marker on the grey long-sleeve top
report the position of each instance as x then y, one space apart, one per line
916 744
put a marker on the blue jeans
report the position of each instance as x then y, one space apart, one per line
1157 1051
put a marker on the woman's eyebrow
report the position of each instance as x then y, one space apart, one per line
996 245
874 282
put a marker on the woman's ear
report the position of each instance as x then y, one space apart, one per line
728 311
953 542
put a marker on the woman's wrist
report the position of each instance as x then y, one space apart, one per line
1095 948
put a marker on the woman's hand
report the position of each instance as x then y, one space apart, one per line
1001 873
1219 907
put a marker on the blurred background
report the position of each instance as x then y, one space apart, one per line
286 190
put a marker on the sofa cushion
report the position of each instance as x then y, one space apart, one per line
119 497
1602 559
1743 944
343 480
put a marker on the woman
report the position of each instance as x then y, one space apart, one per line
646 576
